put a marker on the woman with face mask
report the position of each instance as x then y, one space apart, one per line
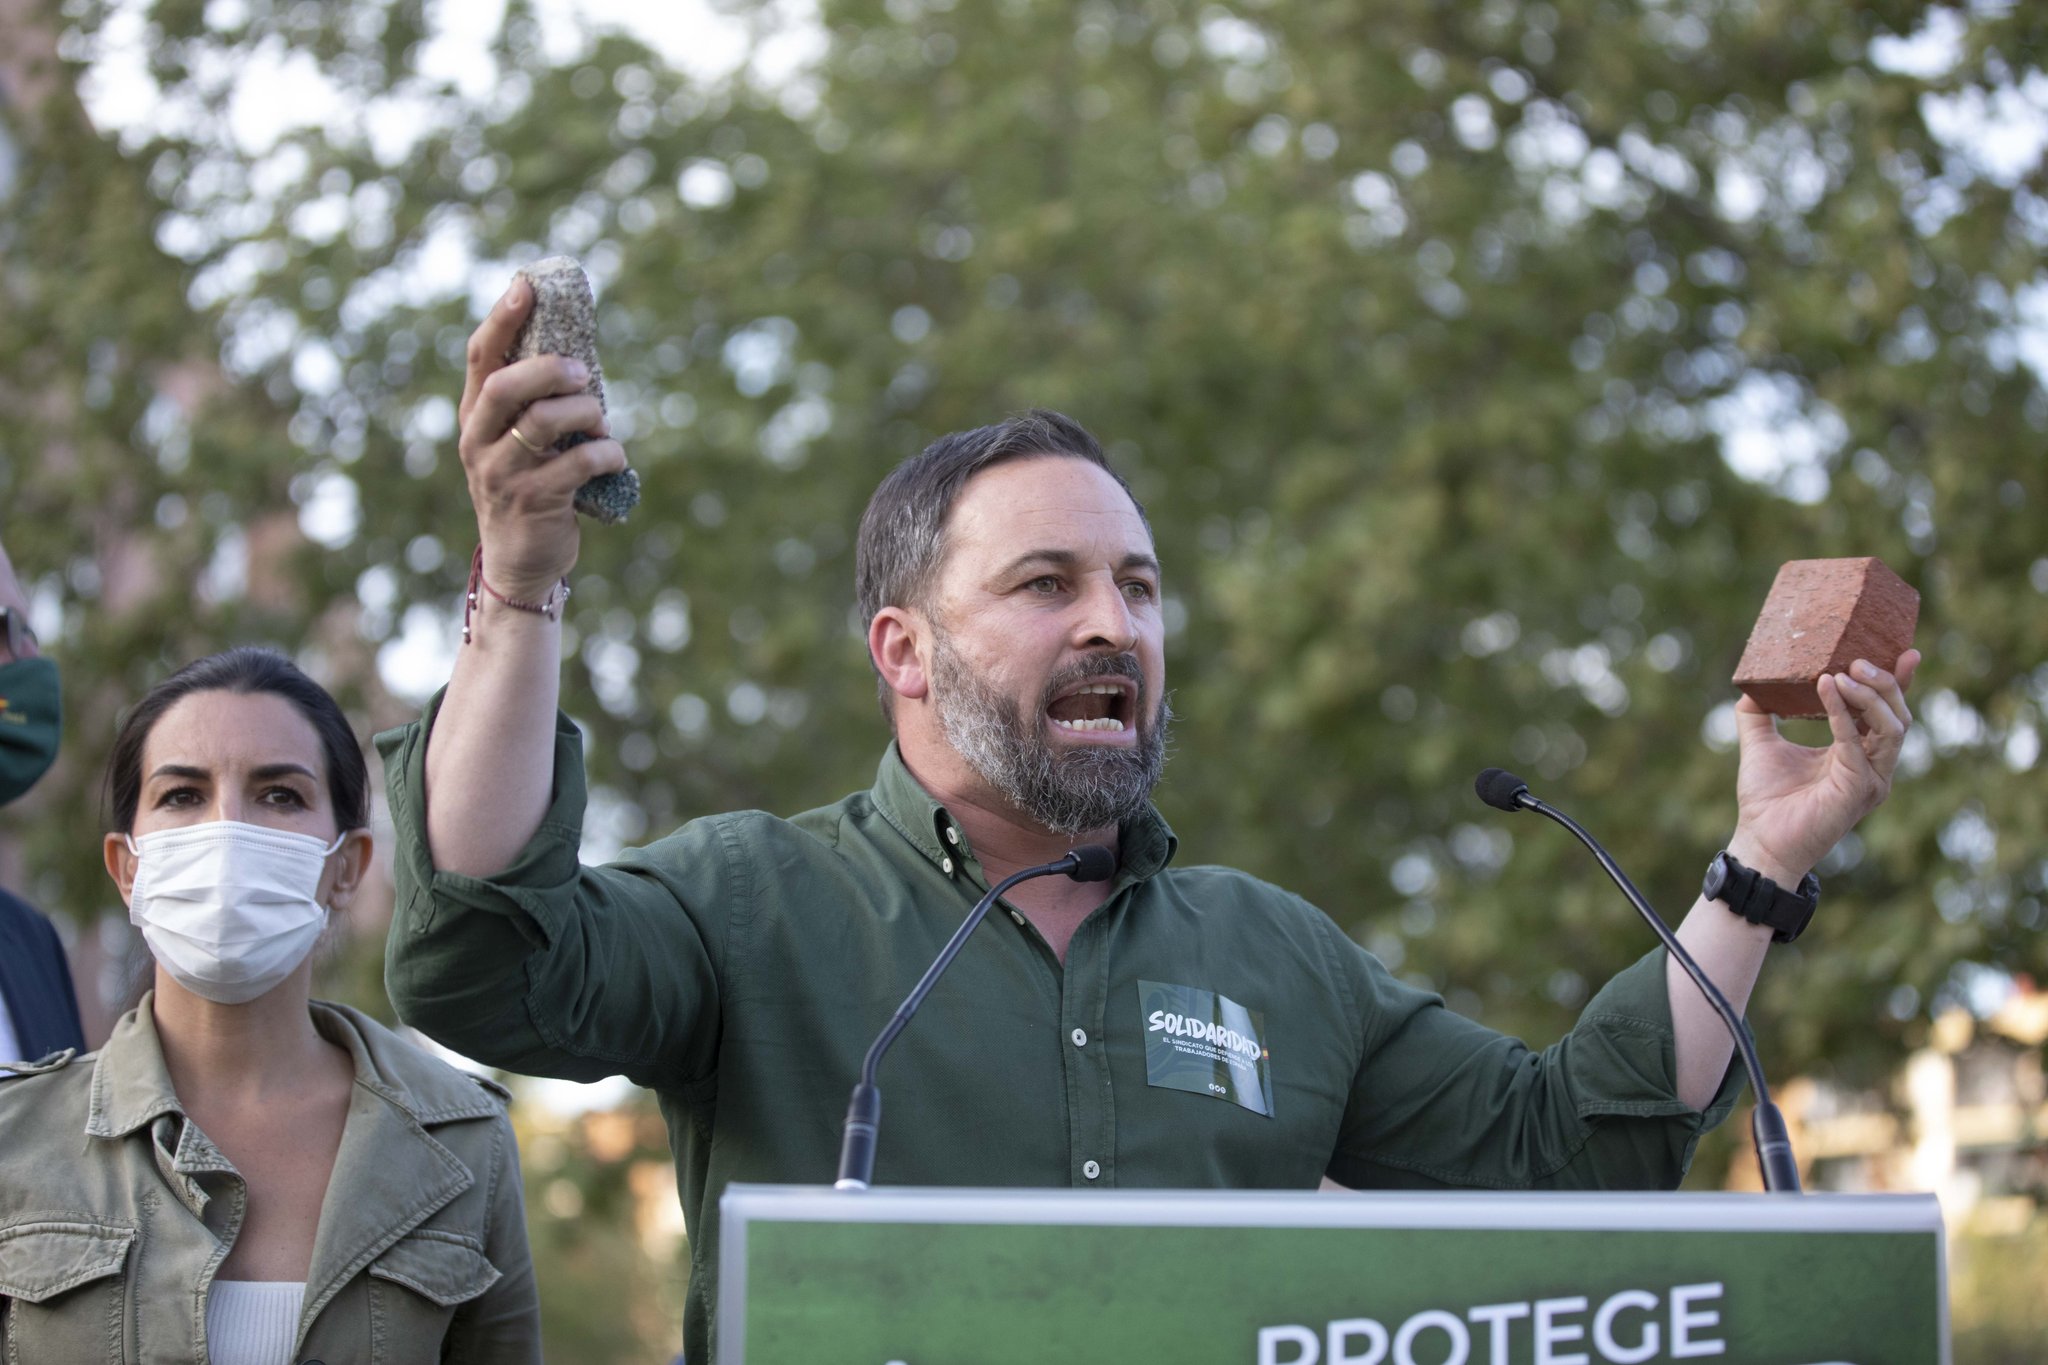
243 1175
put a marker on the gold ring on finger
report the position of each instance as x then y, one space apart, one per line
521 437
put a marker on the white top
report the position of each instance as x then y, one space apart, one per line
252 1322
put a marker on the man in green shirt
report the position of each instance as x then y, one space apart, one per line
1174 1026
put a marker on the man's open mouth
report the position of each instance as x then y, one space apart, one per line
1103 705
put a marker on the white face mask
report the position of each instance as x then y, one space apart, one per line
229 909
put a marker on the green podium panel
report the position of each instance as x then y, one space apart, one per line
946 1277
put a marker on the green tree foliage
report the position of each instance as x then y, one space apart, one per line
1421 328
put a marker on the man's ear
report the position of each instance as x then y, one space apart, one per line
895 642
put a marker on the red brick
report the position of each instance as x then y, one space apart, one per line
1821 616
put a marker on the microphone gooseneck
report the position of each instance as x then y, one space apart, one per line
1504 791
1088 863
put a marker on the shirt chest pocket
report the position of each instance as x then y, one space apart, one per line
64 1291
417 1285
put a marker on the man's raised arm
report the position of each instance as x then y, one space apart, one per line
490 757
503 945
1794 804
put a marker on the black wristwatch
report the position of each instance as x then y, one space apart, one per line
1760 900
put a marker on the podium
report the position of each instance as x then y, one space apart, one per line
907 1276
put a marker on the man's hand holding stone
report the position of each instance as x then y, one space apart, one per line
1794 802
525 498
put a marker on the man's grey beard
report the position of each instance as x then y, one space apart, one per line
1084 788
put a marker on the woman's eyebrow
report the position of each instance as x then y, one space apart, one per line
269 770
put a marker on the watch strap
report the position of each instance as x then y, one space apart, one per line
1758 899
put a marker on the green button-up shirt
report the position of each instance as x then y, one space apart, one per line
741 966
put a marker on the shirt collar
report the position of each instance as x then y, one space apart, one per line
1145 842
131 1085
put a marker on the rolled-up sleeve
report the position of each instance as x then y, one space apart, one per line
1441 1101
552 967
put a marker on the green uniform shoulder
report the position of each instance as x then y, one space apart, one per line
1231 886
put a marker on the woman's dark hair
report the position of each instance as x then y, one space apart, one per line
246 670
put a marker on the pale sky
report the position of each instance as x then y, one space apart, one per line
275 94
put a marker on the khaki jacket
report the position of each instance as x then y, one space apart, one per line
115 1213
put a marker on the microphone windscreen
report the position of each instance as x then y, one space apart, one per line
1498 788
1092 863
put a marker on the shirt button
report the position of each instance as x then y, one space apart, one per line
1080 1037
1017 917
952 835
1090 1169
946 866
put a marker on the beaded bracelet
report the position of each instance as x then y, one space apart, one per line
549 607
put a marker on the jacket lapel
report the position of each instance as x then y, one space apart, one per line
390 1176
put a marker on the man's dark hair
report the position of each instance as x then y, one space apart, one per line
244 670
903 532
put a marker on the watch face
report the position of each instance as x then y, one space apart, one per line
1717 877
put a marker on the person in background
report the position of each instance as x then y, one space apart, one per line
244 1175
38 1007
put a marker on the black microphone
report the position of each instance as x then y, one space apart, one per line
1504 791
1088 863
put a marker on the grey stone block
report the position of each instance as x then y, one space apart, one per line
564 322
